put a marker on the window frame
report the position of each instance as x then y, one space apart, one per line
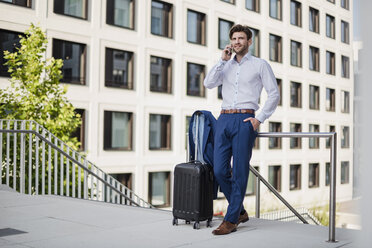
168 79
332 26
256 7
61 12
107 131
315 176
201 85
275 143
297 172
316 16
220 34
298 13
278 54
314 128
14 2
279 12
170 15
168 189
297 96
316 97
164 124
331 107
330 63
203 28
129 69
110 13
314 54
295 127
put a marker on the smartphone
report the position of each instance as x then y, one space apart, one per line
230 50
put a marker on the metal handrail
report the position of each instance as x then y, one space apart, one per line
89 169
332 196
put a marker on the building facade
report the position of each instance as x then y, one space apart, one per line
135 71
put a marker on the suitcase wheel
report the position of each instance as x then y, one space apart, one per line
209 223
175 221
187 222
196 225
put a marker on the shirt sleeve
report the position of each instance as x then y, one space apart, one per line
269 83
214 77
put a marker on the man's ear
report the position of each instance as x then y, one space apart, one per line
250 42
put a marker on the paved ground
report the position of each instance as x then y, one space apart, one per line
52 221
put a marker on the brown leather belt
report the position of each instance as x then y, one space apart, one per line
237 111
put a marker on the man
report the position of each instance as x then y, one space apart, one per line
242 79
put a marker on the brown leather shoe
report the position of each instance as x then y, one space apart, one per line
243 218
226 227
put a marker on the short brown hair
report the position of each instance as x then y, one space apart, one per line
240 28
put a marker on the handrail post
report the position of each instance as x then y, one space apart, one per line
257 197
332 189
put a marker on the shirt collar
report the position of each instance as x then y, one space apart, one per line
247 56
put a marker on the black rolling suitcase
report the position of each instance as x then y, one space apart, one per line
193 190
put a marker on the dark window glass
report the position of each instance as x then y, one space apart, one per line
127 181
295 177
330 26
254 48
313 175
256 144
275 143
253 5
314 97
296 13
159 189
74 57
223 33
120 13
275 176
345 137
330 63
161 75
229 1
345 32
9 41
23 3
119 69
313 20
160 132
345 172
162 19
328 173
196 27
295 143
118 130
74 8
279 82
314 141
195 78
276 9
345 67
345 101
345 4
275 48
330 100
296 53
296 95
80 131
314 58
328 140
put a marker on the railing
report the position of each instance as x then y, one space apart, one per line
332 198
288 216
34 161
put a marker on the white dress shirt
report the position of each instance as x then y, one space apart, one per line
242 84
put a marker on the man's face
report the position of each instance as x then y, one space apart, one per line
240 43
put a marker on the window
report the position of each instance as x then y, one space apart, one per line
330 26
223 33
74 57
275 143
279 82
331 129
328 173
275 48
313 20
331 1
345 101
256 144
229 1
296 53
345 172
253 5
120 13
9 41
345 69
295 177
118 130
160 132
119 69
74 8
251 185
188 119
195 78
276 9
330 100
314 97
345 137
314 141
196 27
162 19
313 175
23 3
296 95
295 143
159 189
314 58
275 176
345 4
296 13
161 75
254 48
330 63
345 32
79 133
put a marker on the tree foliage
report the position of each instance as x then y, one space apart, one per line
35 92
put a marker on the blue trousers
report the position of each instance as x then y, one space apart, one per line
233 138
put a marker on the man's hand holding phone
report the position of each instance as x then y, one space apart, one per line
227 52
